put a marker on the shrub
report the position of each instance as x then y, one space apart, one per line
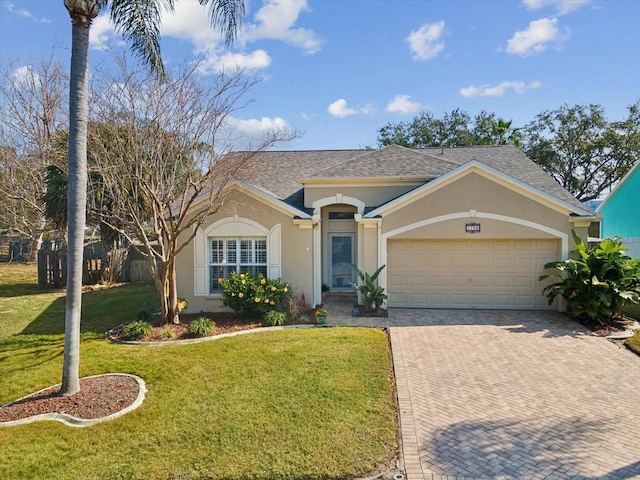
275 318
137 330
167 332
297 308
373 296
252 294
598 283
202 327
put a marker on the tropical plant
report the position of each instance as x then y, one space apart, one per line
137 330
254 294
597 283
501 132
275 318
139 21
201 327
373 295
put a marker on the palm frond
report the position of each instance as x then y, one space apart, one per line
226 15
138 21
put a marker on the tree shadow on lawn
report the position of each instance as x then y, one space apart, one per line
24 289
101 310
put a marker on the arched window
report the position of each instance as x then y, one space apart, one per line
234 244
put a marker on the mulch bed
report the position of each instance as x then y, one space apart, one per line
381 313
601 328
225 322
98 397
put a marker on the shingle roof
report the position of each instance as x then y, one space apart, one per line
281 173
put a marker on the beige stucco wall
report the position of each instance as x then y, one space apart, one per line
296 250
474 192
371 195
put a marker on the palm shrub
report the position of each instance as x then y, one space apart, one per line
202 327
373 295
596 284
254 294
137 330
275 318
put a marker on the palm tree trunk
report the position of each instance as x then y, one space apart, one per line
76 203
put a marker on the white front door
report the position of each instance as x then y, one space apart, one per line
342 255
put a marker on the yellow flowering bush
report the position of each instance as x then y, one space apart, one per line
254 294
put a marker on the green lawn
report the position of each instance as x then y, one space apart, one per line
293 404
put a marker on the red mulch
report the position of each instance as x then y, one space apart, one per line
98 397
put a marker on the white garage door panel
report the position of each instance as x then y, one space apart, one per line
500 274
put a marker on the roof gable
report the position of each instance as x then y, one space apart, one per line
488 172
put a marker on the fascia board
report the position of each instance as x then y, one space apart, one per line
362 181
488 172
269 200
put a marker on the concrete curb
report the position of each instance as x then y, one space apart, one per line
72 421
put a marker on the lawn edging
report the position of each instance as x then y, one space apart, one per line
70 420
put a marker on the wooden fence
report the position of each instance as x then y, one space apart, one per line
114 266
14 249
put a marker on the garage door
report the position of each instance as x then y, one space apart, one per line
494 274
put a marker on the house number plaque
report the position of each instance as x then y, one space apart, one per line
472 228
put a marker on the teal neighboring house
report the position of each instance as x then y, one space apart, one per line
621 212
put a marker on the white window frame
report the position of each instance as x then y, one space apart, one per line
232 227
232 258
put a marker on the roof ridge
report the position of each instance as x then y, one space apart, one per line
427 154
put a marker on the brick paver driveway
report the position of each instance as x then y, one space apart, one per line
513 395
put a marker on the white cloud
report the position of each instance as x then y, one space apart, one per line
255 60
535 38
276 20
256 127
426 43
190 21
402 104
500 89
246 134
25 76
11 8
339 109
100 32
562 6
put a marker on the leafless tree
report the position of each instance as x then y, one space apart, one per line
161 151
33 109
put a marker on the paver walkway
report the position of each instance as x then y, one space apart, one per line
511 395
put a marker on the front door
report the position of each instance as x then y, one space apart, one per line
342 256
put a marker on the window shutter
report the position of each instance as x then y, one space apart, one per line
273 252
200 262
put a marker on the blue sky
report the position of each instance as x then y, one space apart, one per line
338 70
